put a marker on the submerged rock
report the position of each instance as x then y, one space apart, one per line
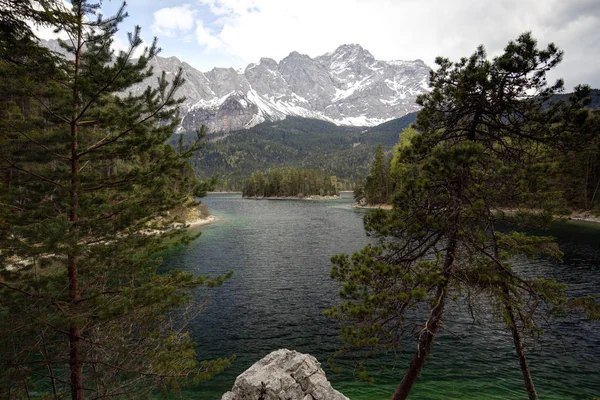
284 375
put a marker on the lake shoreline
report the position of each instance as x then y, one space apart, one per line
584 217
373 206
201 221
313 197
579 216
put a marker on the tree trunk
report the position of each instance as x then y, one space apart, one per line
594 195
585 187
431 327
75 361
520 349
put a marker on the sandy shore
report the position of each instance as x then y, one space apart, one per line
374 206
189 224
584 217
201 221
312 197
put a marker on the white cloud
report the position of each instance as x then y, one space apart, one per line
231 7
205 37
238 32
402 29
172 21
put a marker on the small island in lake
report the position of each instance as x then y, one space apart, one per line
291 183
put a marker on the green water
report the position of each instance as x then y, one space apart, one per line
280 253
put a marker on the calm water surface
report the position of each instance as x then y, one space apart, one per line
280 249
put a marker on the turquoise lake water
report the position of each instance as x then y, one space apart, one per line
280 250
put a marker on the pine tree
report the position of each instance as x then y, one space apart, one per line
86 172
288 182
377 182
483 130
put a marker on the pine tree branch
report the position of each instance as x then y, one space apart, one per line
13 207
57 379
81 300
41 177
125 132
524 284
18 130
88 123
18 290
106 86
107 185
63 119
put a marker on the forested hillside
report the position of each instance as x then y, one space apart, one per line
342 151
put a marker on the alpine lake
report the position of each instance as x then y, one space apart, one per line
279 251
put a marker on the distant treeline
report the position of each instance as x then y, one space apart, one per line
291 182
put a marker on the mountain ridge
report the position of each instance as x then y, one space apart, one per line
347 87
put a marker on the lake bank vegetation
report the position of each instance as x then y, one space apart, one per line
572 173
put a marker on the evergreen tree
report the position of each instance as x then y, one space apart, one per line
291 183
575 172
85 172
483 129
377 185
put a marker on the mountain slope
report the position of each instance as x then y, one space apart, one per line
343 151
346 87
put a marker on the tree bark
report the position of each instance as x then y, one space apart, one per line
75 361
431 327
520 349
594 195
518 342
585 186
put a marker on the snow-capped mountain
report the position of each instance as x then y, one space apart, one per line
346 87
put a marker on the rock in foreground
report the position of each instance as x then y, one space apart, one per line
284 375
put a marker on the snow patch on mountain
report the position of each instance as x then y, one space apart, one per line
362 121
347 87
343 94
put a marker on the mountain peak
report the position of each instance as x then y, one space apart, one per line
349 47
268 62
347 87
352 50
294 55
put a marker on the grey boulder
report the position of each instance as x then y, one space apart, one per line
284 375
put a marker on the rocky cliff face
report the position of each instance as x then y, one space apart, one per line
346 87
284 374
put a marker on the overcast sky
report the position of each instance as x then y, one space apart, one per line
234 33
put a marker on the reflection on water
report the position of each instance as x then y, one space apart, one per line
280 253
